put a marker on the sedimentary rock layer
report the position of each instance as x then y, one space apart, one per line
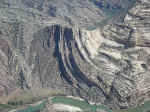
108 65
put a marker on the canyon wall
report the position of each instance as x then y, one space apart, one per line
108 65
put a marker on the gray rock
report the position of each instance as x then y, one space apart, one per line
47 45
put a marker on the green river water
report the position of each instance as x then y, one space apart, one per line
86 107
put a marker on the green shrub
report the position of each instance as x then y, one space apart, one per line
14 103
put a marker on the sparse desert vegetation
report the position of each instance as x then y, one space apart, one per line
20 98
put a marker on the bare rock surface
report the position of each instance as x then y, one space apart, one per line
47 45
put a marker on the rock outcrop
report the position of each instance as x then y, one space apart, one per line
108 65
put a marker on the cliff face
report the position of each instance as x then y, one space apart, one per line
55 57
108 65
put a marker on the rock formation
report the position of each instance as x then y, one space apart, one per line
108 65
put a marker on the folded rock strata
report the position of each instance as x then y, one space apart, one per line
108 65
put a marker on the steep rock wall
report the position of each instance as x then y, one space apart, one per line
108 65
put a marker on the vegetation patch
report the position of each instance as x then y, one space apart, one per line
3 106
20 96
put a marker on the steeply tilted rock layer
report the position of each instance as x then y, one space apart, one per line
108 65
